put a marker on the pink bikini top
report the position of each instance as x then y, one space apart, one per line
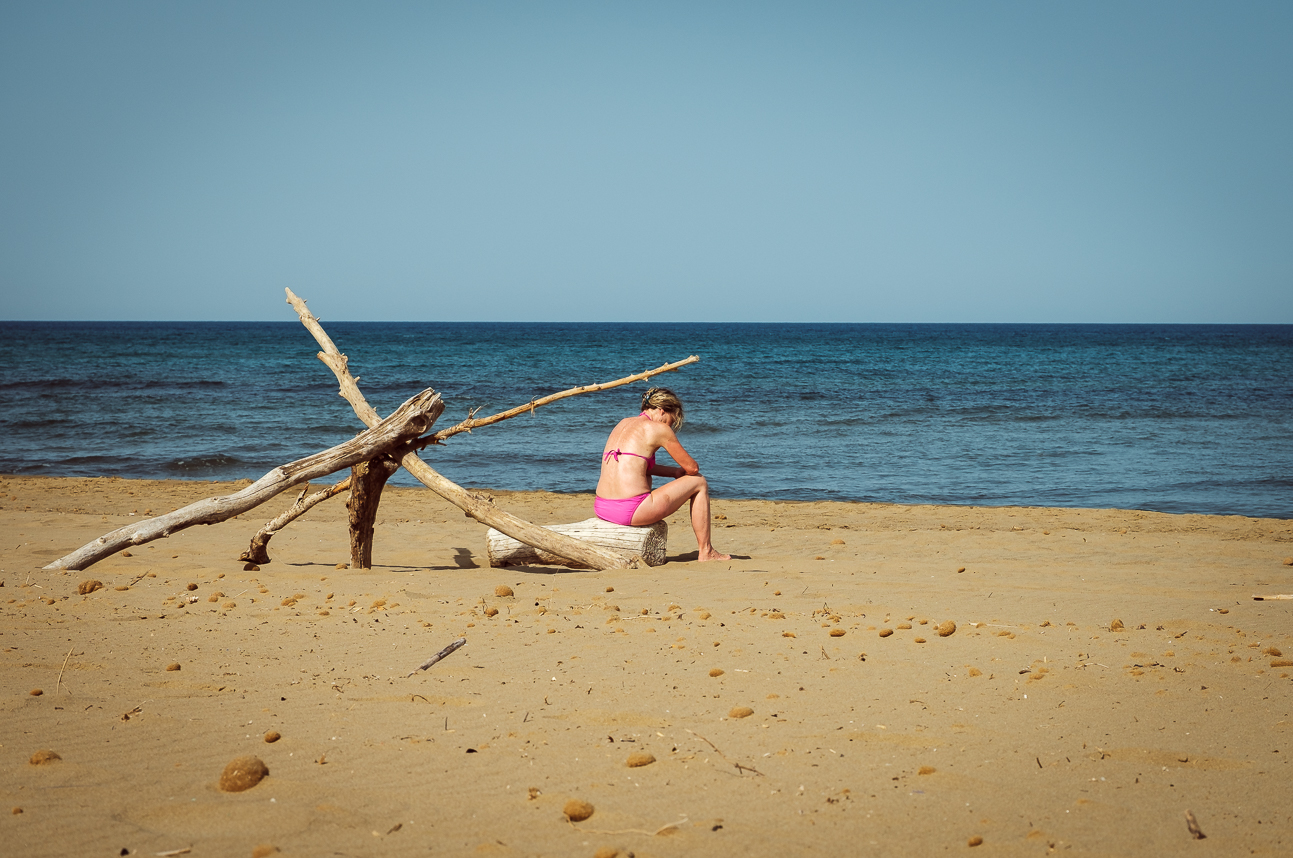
650 460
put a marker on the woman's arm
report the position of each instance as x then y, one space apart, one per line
687 464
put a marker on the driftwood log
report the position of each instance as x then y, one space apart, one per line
258 550
475 504
649 543
410 420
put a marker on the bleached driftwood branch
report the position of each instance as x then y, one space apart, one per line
472 423
410 420
258 550
476 505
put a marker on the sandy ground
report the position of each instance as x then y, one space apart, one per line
1034 726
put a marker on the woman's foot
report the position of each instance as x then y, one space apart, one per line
711 554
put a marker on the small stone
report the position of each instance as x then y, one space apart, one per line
606 852
272 736
175 665
342 566
252 567
884 633
264 851
44 758
976 840
837 542
974 671
16 811
926 770
1273 650
491 612
610 589
837 633
126 554
1116 626
1288 561
740 712
502 591
243 773
918 640
713 671
904 626
36 692
577 811
637 759
960 569
191 586
946 629
1282 662
85 588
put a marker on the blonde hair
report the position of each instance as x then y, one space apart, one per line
666 400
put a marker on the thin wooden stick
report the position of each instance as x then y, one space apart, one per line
63 668
472 423
451 648
1283 597
739 767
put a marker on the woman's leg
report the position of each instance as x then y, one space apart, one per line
669 498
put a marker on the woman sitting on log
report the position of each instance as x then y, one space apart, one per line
624 494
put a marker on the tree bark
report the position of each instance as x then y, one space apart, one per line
474 504
367 479
410 420
258 551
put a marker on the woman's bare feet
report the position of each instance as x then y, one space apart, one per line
711 554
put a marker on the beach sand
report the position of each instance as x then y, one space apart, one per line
1034 728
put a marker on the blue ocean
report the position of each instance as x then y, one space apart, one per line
1173 418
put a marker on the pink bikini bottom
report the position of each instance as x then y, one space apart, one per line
618 510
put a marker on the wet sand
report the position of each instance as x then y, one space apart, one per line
1108 672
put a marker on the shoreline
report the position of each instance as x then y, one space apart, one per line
1036 725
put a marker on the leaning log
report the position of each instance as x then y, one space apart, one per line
258 550
409 421
648 542
475 504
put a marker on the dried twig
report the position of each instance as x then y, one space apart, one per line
63 668
739 767
472 423
1193 825
1282 597
461 642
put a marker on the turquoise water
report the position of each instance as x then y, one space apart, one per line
1176 418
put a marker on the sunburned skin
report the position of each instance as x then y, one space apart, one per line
628 464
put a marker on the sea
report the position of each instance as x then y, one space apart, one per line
1172 418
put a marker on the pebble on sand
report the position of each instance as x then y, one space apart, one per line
87 587
946 629
637 759
716 671
44 758
503 591
740 712
250 567
1116 626
491 611
243 773
264 851
175 665
36 692
272 736
837 633
926 770
1282 662
577 811
976 840
1288 561
191 586
606 852
884 633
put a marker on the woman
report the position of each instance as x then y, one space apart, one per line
624 494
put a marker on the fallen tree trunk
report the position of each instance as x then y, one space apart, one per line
409 421
648 542
258 550
476 505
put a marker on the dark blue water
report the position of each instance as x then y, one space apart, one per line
1176 418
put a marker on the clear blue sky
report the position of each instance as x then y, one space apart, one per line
941 161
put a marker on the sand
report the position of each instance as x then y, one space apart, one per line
1030 728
